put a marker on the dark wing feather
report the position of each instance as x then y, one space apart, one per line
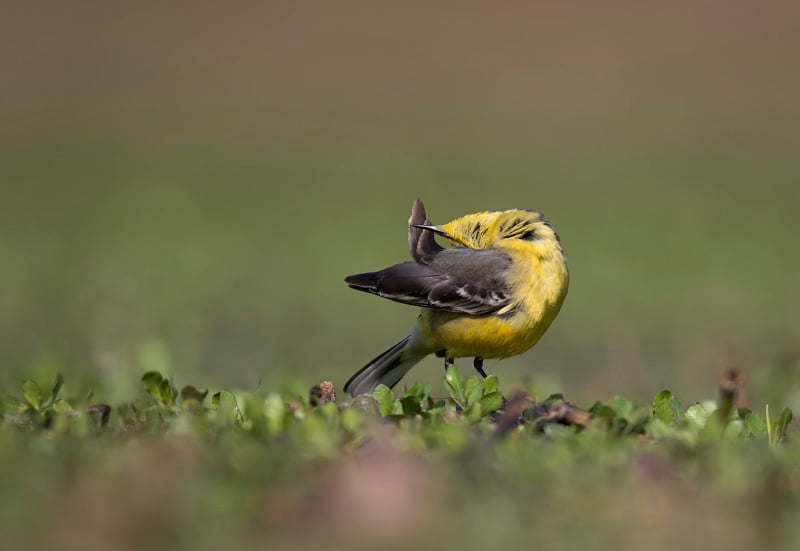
457 280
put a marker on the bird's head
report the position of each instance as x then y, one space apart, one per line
511 228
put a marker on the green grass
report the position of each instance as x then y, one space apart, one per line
183 468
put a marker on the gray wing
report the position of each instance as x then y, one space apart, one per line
456 280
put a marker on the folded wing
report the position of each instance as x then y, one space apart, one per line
456 280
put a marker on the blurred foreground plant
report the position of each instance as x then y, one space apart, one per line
471 403
262 462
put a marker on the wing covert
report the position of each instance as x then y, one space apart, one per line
456 280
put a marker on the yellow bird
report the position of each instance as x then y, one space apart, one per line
492 294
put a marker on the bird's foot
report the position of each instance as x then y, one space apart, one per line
478 364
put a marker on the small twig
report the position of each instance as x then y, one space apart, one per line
731 391
512 414
562 413
103 409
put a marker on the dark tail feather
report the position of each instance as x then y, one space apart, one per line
387 369
421 243
367 282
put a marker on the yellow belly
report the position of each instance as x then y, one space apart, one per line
485 336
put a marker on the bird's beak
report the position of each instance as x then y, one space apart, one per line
438 230
435 229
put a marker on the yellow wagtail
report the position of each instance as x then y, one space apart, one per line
491 295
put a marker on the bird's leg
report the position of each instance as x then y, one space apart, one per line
478 364
448 362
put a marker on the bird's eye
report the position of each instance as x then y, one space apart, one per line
528 235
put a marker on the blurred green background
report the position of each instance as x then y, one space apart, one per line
186 188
